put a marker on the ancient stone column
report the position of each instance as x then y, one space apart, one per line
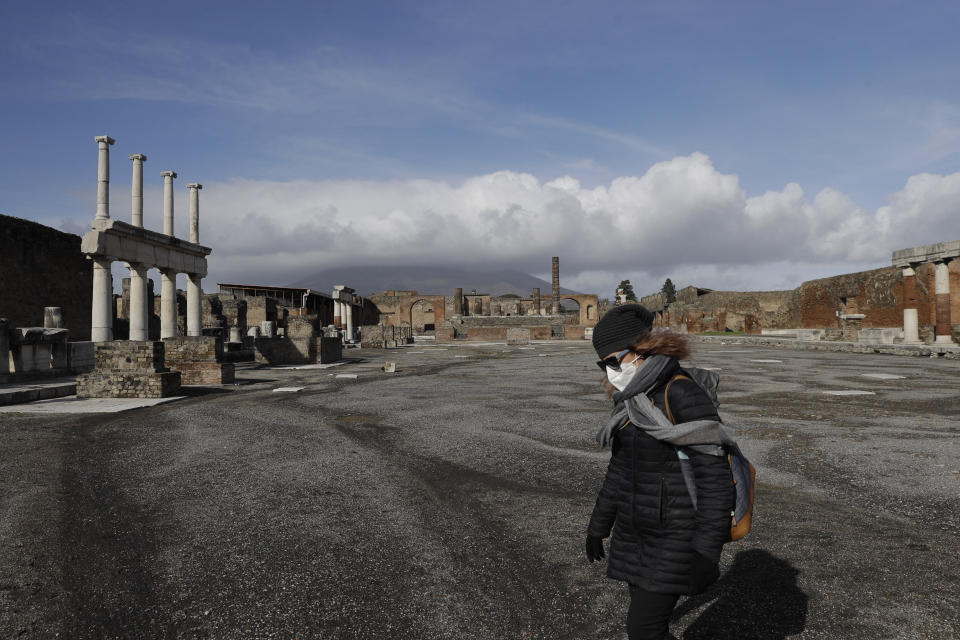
556 284
136 190
103 176
168 177
101 317
911 326
536 301
942 288
337 319
458 301
195 211
139 309
53 318
349 312
168 304
194 305
4 346
235 335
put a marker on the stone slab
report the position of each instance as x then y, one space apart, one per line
72 404
883 376
850 392
20 393
288 389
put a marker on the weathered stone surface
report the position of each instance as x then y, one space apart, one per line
199 359
517 335
128 369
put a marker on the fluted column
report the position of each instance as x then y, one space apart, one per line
103 176
136 190
101 318
168 177
349 308
911 326
942 288
194 306
194 188
168 304
139 313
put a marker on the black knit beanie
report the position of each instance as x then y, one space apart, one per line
619 327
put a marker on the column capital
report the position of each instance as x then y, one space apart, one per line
168 174
106 139
138 156
195 185
138 266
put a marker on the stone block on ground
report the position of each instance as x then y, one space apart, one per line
128 369
517 335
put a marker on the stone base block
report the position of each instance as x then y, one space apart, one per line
518 336
329 350
125 384
574 332
206 372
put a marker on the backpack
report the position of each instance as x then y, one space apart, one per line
744 473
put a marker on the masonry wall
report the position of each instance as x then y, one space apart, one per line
878 294
43 267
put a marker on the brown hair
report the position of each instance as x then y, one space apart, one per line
659 342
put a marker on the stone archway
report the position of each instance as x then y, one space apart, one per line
422 316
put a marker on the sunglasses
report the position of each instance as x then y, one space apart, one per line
613 361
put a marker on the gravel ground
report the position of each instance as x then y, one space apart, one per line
450 500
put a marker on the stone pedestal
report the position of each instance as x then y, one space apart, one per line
128 369
850 326
198 359
268 329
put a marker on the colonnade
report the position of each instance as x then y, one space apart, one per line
344 310
141 245
911 320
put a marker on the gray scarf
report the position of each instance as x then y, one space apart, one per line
634 405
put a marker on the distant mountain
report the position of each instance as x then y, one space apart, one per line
428 280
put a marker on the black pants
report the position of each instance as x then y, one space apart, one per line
649 615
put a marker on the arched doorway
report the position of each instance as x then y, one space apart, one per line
422 317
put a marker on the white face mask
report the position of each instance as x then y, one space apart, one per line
620 379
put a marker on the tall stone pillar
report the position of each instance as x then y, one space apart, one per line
168 304
337 319
136 190
942 288
103 176
195 211
168 177
139 309
458 301
349 311
194 305
4 346
536 301
101 317
556 284
911 326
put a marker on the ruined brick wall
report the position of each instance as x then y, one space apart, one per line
42 267
878 294
128 369
198 359
697 310
260 309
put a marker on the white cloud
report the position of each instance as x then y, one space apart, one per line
681 218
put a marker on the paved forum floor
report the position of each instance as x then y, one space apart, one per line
450 500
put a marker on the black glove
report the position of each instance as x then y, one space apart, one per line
594 548
703 573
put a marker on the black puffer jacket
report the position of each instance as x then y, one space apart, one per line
644 500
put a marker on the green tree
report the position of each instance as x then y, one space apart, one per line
627 289
669 292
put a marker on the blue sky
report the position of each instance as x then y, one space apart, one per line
347 114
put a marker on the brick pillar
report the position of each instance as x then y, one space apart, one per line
536 301
942 288
556 284
458 301
911 325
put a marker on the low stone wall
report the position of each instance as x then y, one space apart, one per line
199 359
518 336
128 369
916 350
375 336
278 351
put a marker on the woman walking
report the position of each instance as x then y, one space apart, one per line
667 532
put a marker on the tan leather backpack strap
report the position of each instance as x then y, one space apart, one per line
666 396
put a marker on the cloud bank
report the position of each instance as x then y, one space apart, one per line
682 218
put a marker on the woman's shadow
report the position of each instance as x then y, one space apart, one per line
757 598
